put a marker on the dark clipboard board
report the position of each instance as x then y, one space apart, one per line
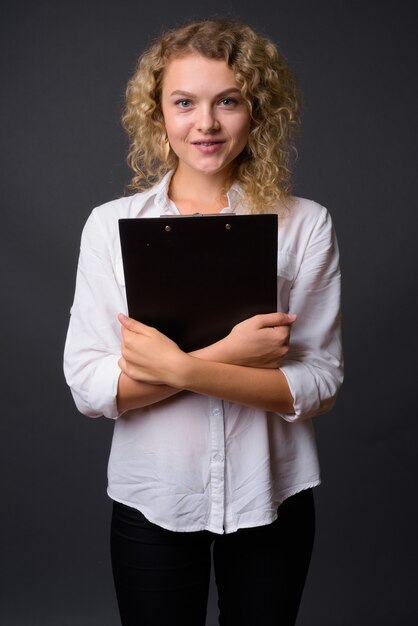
195 277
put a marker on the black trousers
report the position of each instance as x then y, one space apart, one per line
162 577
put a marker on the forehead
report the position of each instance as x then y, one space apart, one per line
196 72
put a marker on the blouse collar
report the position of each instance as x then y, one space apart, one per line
161 199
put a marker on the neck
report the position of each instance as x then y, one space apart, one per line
195 192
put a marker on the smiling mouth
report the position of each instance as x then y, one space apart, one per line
207 143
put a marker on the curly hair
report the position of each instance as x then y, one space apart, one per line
264 167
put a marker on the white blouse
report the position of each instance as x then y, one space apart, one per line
194 462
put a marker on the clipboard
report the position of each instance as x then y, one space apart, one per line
195 277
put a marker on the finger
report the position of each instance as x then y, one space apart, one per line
128 337
276 319
282 333
133 325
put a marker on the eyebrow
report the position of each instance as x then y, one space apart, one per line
181 92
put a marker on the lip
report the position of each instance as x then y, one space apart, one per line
208 146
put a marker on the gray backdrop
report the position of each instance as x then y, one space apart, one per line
64 68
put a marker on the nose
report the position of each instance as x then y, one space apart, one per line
207 121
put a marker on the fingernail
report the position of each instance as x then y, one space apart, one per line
292 316
122 316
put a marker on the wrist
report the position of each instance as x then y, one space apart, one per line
217 352
179 372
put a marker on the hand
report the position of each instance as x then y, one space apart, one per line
148 355
260 341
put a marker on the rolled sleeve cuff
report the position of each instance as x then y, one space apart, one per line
304 389
104 387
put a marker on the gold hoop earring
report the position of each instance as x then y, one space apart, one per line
166 148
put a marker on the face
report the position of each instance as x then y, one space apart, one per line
207 121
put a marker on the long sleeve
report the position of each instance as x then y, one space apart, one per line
314 366
308 285
92 348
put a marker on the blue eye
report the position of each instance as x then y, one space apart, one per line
184 103
228 101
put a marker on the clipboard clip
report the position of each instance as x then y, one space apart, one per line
228 226
199 215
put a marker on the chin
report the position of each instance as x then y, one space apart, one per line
214 169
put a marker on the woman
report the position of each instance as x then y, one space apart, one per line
215 446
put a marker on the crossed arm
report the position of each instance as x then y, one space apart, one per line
243 367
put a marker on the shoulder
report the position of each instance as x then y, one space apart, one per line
105 217
304 215
101 230
304 222
149 203
126 206
305 211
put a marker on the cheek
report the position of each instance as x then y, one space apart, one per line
176 126
242 130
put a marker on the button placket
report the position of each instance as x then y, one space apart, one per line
217 463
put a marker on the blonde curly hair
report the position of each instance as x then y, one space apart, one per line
264 167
